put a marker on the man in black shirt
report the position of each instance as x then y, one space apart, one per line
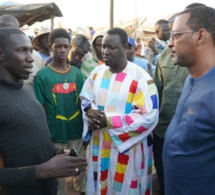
31 162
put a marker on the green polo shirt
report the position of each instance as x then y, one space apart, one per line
58 92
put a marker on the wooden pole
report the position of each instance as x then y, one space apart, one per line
52 22
111 13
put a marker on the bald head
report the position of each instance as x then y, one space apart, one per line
8 20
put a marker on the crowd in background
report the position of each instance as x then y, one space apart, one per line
112 99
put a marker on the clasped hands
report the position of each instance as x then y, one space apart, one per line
96 119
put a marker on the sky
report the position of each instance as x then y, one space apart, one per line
95 13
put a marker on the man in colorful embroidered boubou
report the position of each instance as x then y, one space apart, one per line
120 104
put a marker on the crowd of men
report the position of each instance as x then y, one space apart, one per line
119 108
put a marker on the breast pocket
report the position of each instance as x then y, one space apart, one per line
169 70
188 137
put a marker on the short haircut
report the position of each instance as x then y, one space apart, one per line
121 33
8 20
5 34
160 22
193 5
201 17
58 33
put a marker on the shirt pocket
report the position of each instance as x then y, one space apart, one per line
169 70
188 137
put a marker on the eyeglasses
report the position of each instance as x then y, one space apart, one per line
174 35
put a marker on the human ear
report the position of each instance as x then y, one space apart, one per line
203 36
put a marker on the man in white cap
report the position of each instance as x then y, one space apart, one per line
40 43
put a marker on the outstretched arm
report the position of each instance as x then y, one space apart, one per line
61 165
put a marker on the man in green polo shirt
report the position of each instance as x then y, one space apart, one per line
57 87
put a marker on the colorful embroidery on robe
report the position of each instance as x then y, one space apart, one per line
120 155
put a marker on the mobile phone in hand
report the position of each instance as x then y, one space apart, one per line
73 152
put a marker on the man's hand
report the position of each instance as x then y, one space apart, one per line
61 165
96 119
153 46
